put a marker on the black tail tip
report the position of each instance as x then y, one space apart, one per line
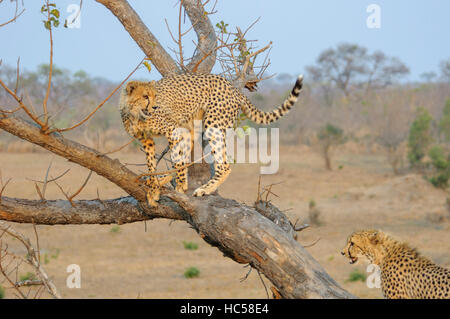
298 86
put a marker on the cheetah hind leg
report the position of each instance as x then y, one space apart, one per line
180 143
216 139
221 173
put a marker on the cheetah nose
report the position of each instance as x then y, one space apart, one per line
342 253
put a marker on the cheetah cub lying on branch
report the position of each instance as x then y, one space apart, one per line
169 108
404 273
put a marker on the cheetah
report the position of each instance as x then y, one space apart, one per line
405 274
170 106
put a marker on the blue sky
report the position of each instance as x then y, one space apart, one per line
416 31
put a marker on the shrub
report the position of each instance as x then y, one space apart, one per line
191 272
328 137
2 292
444 123
357 275
27 276
314 214
441 166
115 229
420 137
190 245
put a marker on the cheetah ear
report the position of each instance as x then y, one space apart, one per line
374 238
131 86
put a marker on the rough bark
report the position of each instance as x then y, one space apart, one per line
206 36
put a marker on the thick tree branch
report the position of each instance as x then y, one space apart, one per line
223 223
60 212
206 35
142 35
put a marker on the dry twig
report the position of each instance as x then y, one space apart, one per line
32 260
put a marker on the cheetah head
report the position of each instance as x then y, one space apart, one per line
362 244
139 98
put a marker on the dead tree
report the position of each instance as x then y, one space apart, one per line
260 236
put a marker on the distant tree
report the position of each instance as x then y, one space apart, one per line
428 76
328 137
66 87
350 66
392 130
383 71
420 137
339 67
445 70
444 123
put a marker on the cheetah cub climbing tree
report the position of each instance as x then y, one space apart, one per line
169 108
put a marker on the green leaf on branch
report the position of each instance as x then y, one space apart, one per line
148 66
55 13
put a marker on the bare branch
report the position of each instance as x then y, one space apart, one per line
81 188
52 179
60 130
38 190
3 186
32 259
119 148
22 106
143 37
50 70
16 15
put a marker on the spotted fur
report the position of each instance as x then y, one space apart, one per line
405 274
161 108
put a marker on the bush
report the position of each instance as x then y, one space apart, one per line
2 292
444 123
191 272
441 166
357 275
420 137
27 276
190 245
314 214
328 137
115 229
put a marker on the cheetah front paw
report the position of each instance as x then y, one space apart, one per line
181 188
155 184
199 192
153 198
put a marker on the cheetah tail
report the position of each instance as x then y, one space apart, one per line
261 117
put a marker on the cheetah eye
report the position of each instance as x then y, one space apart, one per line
351 243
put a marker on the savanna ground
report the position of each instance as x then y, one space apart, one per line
148 260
